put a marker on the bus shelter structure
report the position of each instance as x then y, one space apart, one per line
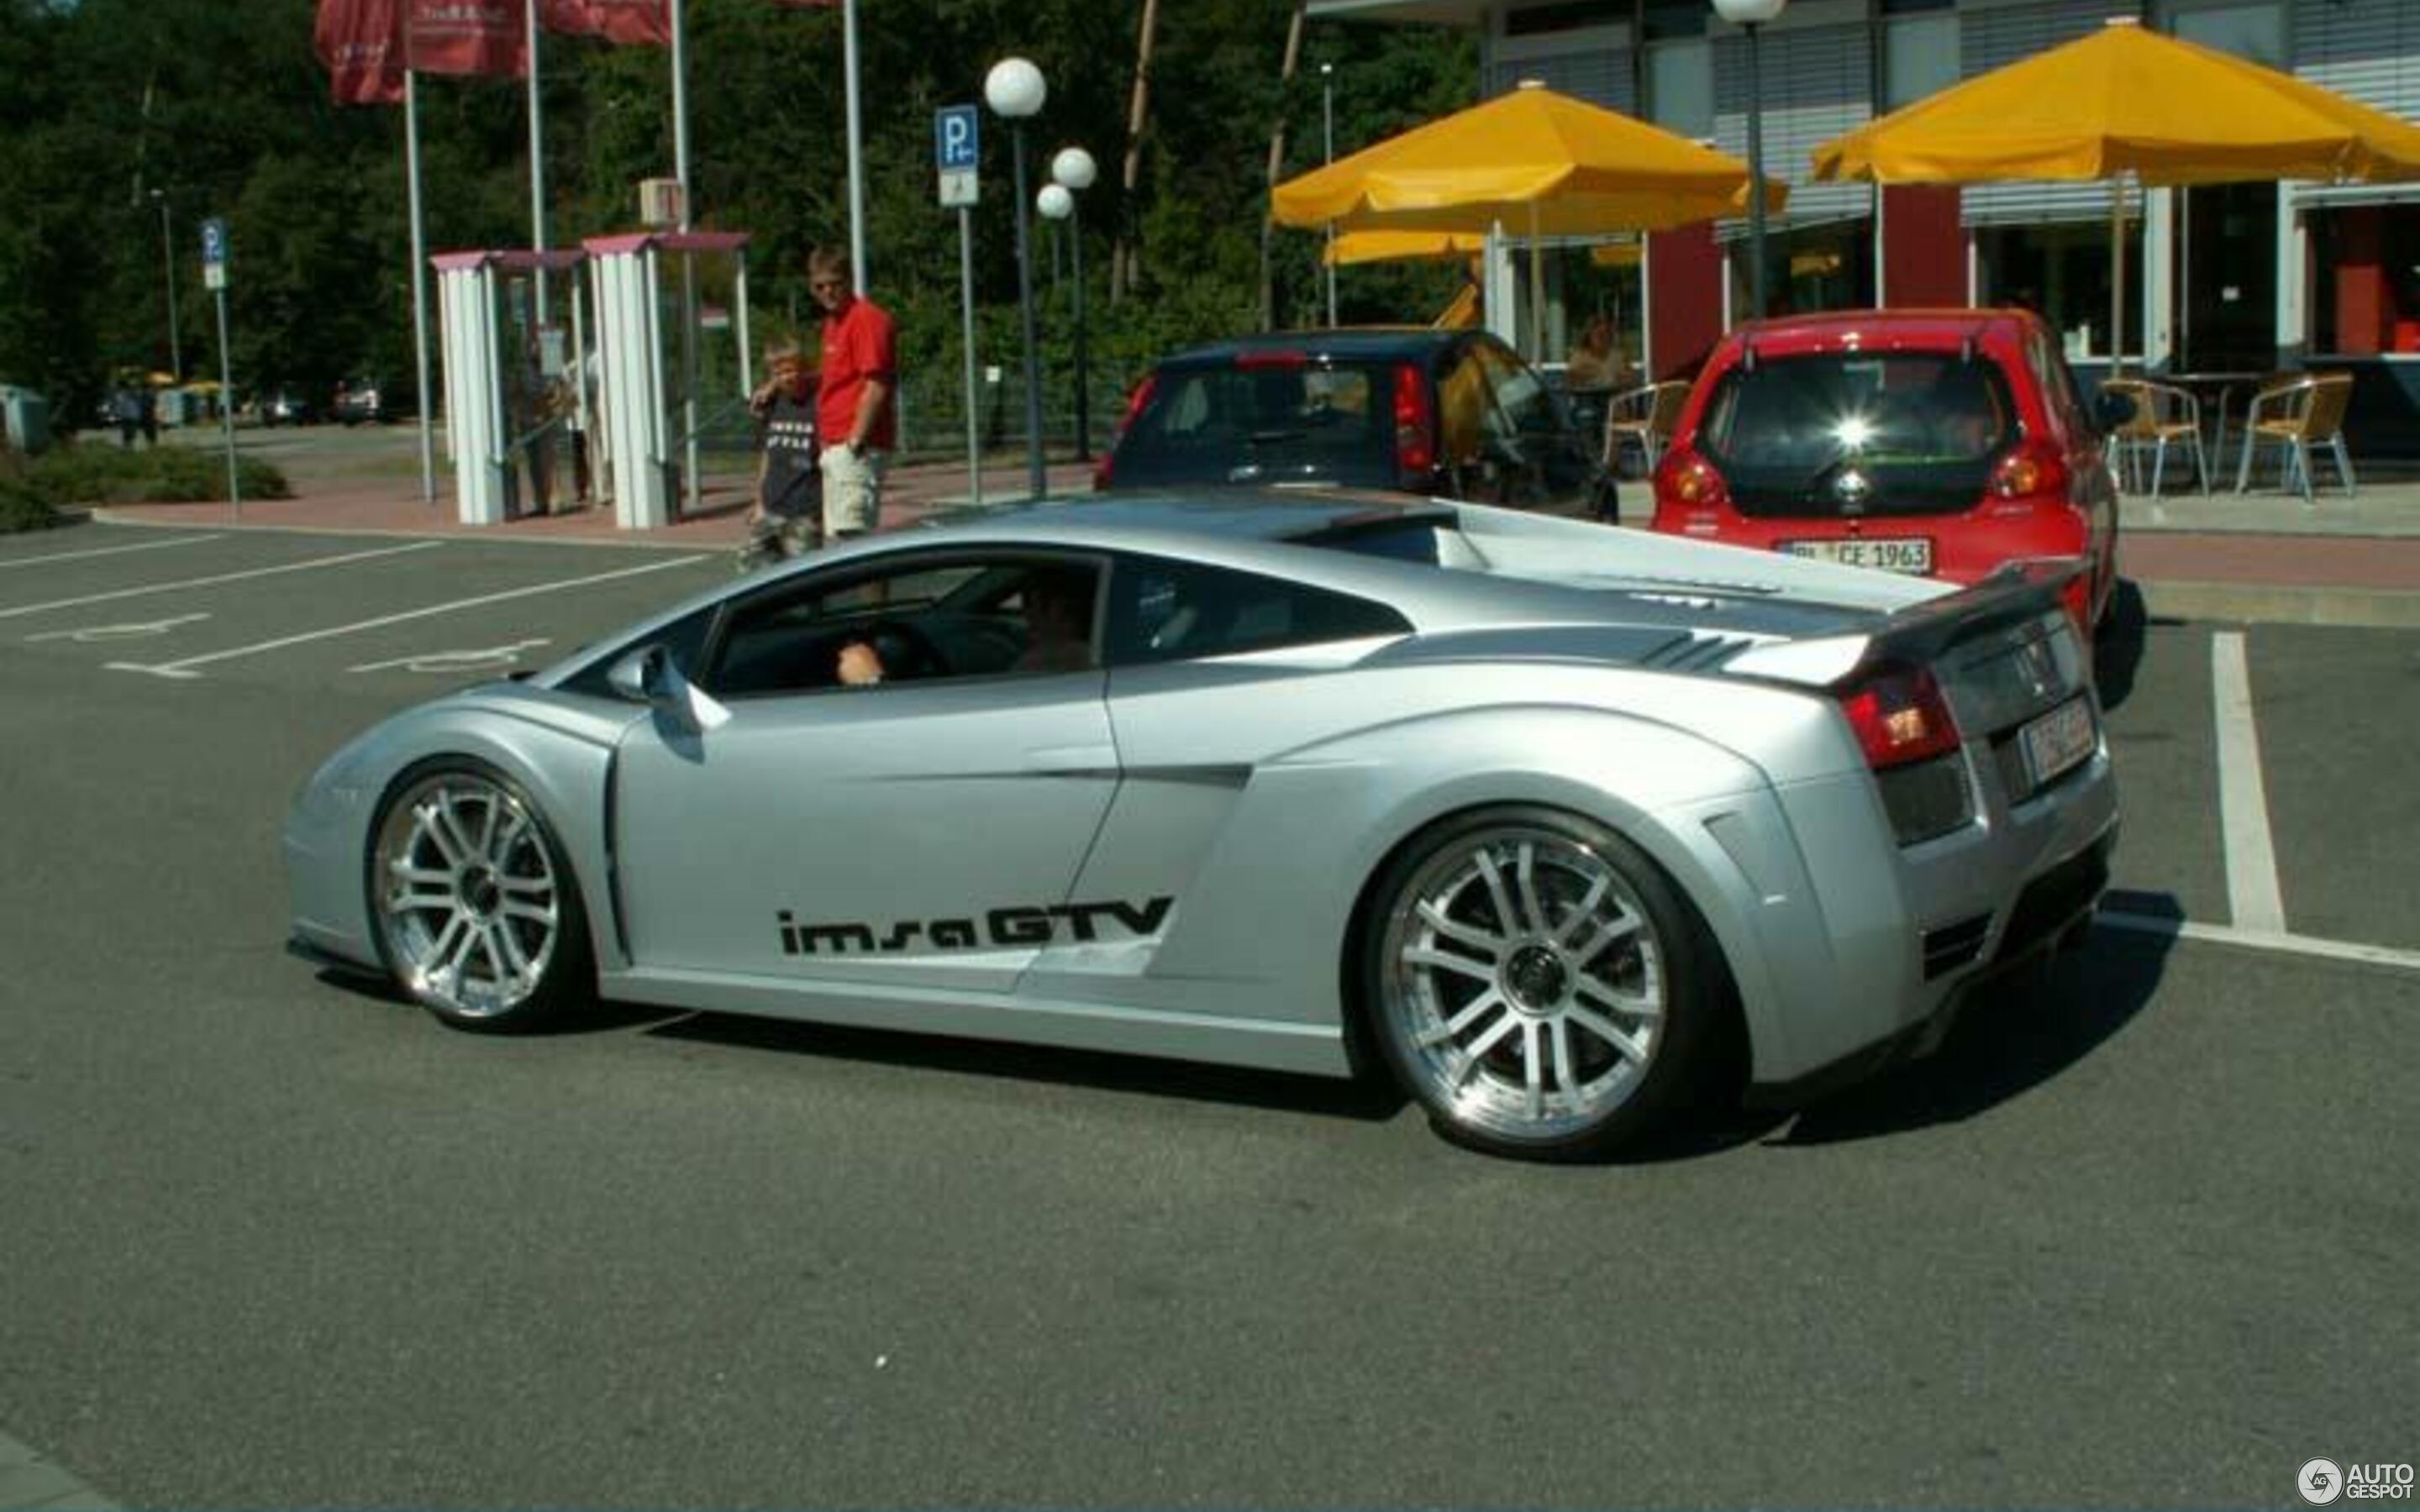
647 362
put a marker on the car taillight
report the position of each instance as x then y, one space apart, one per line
1135 401
1899 716
1687 479
2029 472
1414 427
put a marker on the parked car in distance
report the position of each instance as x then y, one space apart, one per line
285 404
1449 414
368 401
1943 443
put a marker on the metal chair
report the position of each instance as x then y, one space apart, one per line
2299 414
1646 415
2165 415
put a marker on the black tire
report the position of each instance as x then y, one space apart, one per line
1606 991
474 908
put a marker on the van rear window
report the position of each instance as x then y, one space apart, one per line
1261 421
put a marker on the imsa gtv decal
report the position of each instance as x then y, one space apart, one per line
998 927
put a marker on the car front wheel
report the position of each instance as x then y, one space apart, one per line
1536 983
478 916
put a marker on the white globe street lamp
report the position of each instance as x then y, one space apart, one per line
1751 16
1014 91
1072 171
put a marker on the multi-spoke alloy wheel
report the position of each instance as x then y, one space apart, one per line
1533 981
478 915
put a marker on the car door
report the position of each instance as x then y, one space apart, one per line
1546 468
914 834
1213 674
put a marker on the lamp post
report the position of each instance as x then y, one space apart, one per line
1328 155
1072 172
1014 91
168 260
1750 16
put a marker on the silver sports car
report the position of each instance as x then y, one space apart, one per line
1559 824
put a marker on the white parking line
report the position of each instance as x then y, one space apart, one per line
117 632
2253 896
222 578
2284 944
185 668
110 551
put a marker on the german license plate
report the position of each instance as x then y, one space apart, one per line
2056 741
1911 554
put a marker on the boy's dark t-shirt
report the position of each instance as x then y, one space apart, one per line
790 488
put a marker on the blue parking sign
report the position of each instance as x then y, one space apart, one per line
954 137
215 242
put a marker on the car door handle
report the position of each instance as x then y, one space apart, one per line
1097 760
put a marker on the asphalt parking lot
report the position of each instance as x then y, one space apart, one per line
2142 1235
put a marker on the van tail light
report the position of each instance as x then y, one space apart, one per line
1415 437
1899 716
2030 470
1135 402
1687 479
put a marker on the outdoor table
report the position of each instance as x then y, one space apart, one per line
2225 385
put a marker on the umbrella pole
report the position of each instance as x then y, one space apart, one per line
2118 278
1537 290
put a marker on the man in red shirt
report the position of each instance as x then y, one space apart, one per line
853 409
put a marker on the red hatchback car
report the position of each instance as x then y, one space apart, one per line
1945 443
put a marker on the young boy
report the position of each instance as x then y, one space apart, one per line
788 516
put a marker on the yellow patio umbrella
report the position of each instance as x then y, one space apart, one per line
1351 247
2128 101
1533 158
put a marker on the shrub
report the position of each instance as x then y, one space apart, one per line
74 473
22 505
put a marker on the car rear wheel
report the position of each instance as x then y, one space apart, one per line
1536 982
477 914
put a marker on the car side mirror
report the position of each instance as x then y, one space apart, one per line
2111 409
645 676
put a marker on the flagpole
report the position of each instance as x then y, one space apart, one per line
538 166
689 490
856 145
419 286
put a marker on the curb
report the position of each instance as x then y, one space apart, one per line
2382 608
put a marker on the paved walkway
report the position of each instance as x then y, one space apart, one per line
2262 556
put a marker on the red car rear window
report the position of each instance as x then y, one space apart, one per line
1919 431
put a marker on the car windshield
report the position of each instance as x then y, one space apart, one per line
1880 432
1267 421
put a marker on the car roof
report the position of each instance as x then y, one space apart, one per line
1344 343
1881 330
1235 514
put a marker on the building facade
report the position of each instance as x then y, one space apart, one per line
2235 278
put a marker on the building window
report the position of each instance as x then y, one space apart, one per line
1919 57
1809 268
2366 280
2062 272
2252 29
1681 87
1566 16
1663 20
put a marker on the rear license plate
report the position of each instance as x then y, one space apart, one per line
1911 554
2059 740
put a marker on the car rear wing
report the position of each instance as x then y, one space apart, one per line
2008 602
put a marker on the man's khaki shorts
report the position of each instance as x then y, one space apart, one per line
852 490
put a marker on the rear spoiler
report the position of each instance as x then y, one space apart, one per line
2019 592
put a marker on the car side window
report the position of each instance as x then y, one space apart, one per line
957 615
684 639
2057 383
1465 408
1162 611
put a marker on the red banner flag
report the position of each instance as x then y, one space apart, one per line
485 37
356 39
648 23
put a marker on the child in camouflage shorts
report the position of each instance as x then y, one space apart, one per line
788 517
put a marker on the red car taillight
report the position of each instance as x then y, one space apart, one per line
1899 716
1415 429
1135 401
2030 470
1687 479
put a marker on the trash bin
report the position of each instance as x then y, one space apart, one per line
27 416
